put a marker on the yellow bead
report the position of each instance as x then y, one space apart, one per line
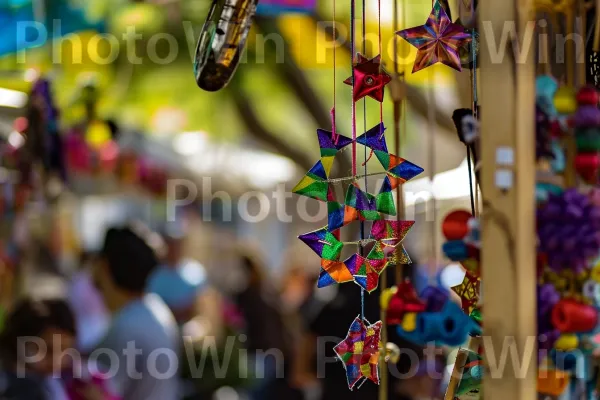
565 100
566 342
595 274
409 322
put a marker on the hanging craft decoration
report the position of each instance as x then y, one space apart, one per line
360 352
438 41
369 78
587 135
358 205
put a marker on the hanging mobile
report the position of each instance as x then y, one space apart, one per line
222 42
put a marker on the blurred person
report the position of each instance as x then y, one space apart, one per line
140 319
91 315
29 376
179 281
268 336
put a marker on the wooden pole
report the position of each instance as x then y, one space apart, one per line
508 216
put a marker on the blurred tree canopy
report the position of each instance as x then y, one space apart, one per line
157 92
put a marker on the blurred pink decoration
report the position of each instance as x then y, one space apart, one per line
76 386
78 152
108 156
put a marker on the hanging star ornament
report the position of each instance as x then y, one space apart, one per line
369 78
468 291
360 352
438 41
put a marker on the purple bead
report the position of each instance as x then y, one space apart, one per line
587 116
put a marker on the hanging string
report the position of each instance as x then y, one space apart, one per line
352 50
432 166
333 130
381 55
474 106
398 117
362 224
383 393
471 180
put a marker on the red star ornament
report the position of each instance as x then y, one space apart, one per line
370 78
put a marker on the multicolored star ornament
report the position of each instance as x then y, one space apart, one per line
369 78
315 183
438 41
360 352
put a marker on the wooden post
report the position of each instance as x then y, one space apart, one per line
508 182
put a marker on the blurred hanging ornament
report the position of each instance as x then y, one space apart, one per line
77 152
547 297
98 134
222 42
369 78
438 41
569 230
455 225
127 167
359 352
565 100
571 316
545 90
108 155
587 135
20 124
403 302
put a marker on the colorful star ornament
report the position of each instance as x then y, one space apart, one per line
438 41
359 352
369 78
468 291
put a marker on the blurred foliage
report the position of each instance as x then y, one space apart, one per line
162 98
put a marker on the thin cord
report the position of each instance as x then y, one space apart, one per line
353 47
353 50
474 105
470 180
362 224
432 166
334 131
